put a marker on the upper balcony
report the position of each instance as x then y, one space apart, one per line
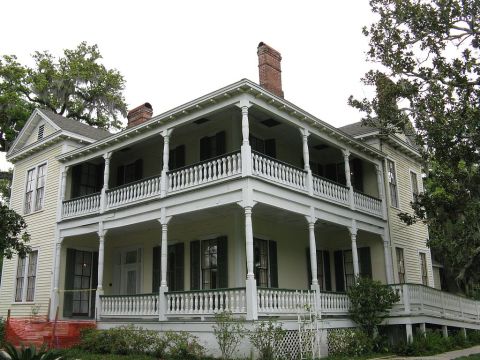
224 145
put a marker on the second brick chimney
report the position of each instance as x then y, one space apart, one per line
139 115
269 69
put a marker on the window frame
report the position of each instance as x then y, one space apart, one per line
400 265
25 277
33 205
395 175
423 267
208 242
414 196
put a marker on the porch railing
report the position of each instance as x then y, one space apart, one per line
333 303
205 172
131 192
278 301
141 305
367 203
81 206
278 171
330 190
205 302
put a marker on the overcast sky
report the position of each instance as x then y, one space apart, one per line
171 52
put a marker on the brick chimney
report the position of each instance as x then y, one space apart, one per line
269 69
139 115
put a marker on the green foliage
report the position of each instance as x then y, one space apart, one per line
349 342
427 80
13 237
265 337
75 85
229 332
369 303
27 353
131 340
3 330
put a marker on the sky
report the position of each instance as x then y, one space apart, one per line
171 52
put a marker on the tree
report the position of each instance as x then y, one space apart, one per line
75 85
13 237
370 302
427 82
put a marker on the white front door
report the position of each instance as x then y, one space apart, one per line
130 273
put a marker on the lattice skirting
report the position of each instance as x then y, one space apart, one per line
294 344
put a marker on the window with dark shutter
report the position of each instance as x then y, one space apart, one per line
212 146
339 273
365 262
195 265
176 158
156 270
272 257
222 261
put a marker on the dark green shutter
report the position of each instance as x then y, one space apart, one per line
157 257
76 178
205 148
365 262
138 169
309 267
179 267
222 262
331 172
120 175
99 177
357 179
340 170
195 265
273 266
69 279
270 148
171 160
339 273
180 157
326 271
94 283
221 143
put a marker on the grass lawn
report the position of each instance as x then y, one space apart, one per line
82 355
471 357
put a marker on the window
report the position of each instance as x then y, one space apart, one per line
175 267
400 265
209 263
35 189
392 182
26 274
212 146
344 273
260 262
130 172
41 129
414 180
176 158
87 178
423 268
348 266
266 147
323 269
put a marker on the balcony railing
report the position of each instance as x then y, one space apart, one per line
84 205
205 302
367 203
205 172
330 190
278 171
415 300
134 191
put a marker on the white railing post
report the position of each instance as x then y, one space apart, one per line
251 284
406 298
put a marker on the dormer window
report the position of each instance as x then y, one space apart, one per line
41 128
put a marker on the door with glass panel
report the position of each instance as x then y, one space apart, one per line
130 273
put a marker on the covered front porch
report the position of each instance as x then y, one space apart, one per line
253 261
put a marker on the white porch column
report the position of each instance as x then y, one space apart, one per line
56 279
353 236
306 159
246 149
106 177
101 261
348 179
251 283
381 192
313 253
166 158
388 256
162 300
63 192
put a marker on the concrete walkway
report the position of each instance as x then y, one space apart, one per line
445 356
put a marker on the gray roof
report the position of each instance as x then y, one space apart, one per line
75 126
357 129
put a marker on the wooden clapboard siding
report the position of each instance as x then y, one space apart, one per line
411 238
41 226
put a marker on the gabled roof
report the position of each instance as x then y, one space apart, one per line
357 129
75 126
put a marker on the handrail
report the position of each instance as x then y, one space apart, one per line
81 197
133 183
278 161
369 196
203 290
330 181
131 295
203 161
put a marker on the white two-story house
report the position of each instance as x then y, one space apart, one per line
237 200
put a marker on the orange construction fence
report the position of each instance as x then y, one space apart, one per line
60 334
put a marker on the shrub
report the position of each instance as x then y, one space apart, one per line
229 332
369 303
3 332
432 342
349 342
265 337
183 346
27 353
